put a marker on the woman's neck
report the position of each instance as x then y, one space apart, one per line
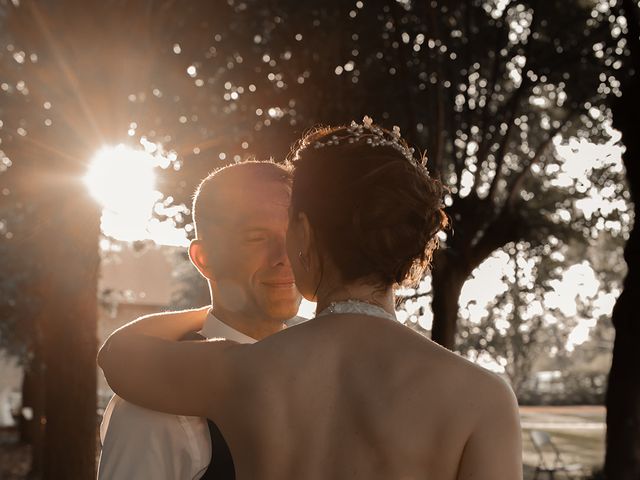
362 292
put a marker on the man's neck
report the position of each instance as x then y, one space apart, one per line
254 326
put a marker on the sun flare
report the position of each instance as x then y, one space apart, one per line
123 181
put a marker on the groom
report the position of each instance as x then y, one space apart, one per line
240 213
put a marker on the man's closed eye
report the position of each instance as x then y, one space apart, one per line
255 239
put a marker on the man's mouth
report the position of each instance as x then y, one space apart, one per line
280 283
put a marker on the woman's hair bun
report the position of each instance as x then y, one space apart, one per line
374 210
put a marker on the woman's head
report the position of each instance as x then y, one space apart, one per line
362 206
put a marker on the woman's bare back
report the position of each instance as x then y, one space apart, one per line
354 396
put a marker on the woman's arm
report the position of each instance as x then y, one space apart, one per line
144 366
169 325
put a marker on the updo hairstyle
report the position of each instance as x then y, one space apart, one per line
373 211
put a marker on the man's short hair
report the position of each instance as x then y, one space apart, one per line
207 201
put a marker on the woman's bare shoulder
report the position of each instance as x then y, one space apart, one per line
470 382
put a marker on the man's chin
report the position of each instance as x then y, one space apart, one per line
283 308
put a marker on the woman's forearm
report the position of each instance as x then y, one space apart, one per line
169 325
167 375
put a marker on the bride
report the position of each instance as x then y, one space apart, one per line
353 393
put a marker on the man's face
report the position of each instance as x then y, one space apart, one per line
251 270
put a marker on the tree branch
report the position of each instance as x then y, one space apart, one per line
502 150
439 113
504 228
484 146
513 108
402 64
518 183
466 112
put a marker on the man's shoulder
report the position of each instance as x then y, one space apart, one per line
122 414
142 443
118 407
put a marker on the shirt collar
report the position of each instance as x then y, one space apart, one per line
216 328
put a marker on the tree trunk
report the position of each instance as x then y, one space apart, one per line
622 460
623 392
447 280
60 383
70 334
33 383
33 398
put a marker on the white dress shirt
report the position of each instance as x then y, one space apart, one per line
140 444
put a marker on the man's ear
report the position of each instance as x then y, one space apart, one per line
200 258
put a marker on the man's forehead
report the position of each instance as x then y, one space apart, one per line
255 191
260 219
253 202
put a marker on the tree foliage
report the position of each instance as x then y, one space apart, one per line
531 323
487 89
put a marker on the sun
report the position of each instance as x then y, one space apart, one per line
121 178
123 181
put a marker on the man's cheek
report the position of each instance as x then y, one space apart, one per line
234 294
225 262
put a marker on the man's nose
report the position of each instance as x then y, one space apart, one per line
278 252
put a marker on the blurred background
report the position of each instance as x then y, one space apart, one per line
111 113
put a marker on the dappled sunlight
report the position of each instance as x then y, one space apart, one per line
485 283
580 333
416 311
577 284
579 157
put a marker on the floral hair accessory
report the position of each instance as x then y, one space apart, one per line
374 136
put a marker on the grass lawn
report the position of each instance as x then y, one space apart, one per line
578 432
